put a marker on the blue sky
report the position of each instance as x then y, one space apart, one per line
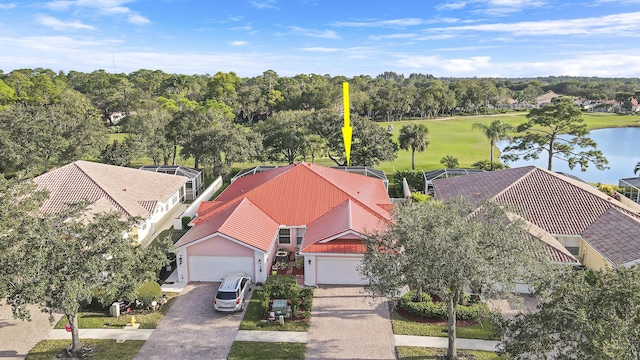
458 38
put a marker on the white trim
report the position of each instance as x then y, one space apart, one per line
208 237
348 232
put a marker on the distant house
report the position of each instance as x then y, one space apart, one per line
545 98
319 215
195 184
630 188
596 229
148 196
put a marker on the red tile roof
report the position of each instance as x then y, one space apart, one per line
556 203
244 222
341 246
327 201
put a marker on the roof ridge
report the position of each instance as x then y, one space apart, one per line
513 184
112 199
365 206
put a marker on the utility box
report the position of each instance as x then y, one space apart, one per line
114 310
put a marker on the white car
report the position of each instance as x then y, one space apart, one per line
232 292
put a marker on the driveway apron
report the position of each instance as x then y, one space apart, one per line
18 337
192 329
346 323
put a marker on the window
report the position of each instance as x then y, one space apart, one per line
284 236
299 236
572 244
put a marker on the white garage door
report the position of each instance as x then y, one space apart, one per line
215 268
339 271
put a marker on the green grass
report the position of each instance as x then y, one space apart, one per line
484 330
413 352
253 321
102 320
247 350
106 349
447 136
453 136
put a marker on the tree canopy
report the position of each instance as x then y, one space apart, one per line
60 261
583 315
414 137
445 248
496 130
543 133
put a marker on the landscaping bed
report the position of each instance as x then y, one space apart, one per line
279 287
417 318
147 319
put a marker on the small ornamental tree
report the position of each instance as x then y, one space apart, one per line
444 248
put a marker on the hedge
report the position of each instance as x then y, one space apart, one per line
429 309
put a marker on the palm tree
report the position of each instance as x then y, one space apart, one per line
449 162
495 131
636 170
414 136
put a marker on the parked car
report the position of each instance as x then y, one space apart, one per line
232 292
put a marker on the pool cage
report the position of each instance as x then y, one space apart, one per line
362 170
630 188
429 176
194 186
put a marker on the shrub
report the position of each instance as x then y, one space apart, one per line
429 309
263 299
149 291
415 179
283 287
306 299
419 197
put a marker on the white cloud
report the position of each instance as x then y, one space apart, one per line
381 23
138 19
7 6
321 49
58 24
265 4
325 34
492 7
616 25
238 43
451 66
393 36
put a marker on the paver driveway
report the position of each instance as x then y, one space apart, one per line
192 329
346 323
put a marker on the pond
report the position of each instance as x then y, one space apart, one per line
621 146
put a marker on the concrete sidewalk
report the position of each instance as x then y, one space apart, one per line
443 342
116 334
272 336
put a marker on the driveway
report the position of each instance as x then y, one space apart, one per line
346 323
18 337
191 329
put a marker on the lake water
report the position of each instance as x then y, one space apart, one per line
621 146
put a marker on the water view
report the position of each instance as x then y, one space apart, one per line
621 146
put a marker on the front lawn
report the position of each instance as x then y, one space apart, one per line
102 319
414 352
266 350
254 315
105 349
484 330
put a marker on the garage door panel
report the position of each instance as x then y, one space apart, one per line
339 271
215 268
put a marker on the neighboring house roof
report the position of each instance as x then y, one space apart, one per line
556 203
328 202
129 191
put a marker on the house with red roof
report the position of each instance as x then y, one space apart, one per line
574 219
318 213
